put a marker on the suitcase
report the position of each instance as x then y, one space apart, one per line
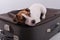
44 30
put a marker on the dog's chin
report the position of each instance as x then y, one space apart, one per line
29 24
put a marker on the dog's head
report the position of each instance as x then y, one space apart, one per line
23 16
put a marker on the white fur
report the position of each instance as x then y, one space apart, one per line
35 10
28 20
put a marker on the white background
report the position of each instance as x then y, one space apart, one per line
8 5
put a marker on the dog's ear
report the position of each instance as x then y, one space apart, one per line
15 19
27 9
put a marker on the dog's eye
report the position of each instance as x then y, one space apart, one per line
28 14
24 18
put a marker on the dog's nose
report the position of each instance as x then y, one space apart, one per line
33 21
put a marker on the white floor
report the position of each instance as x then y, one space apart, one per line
56 37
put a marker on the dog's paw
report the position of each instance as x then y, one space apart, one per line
43 17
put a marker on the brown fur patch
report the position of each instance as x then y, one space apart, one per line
19 17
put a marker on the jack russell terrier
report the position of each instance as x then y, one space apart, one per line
32 14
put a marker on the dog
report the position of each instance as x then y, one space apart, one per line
35 14
32 14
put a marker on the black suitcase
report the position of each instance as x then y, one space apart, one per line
24 32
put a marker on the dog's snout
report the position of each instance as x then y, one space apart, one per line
33 21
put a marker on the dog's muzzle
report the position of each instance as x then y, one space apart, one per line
33 21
